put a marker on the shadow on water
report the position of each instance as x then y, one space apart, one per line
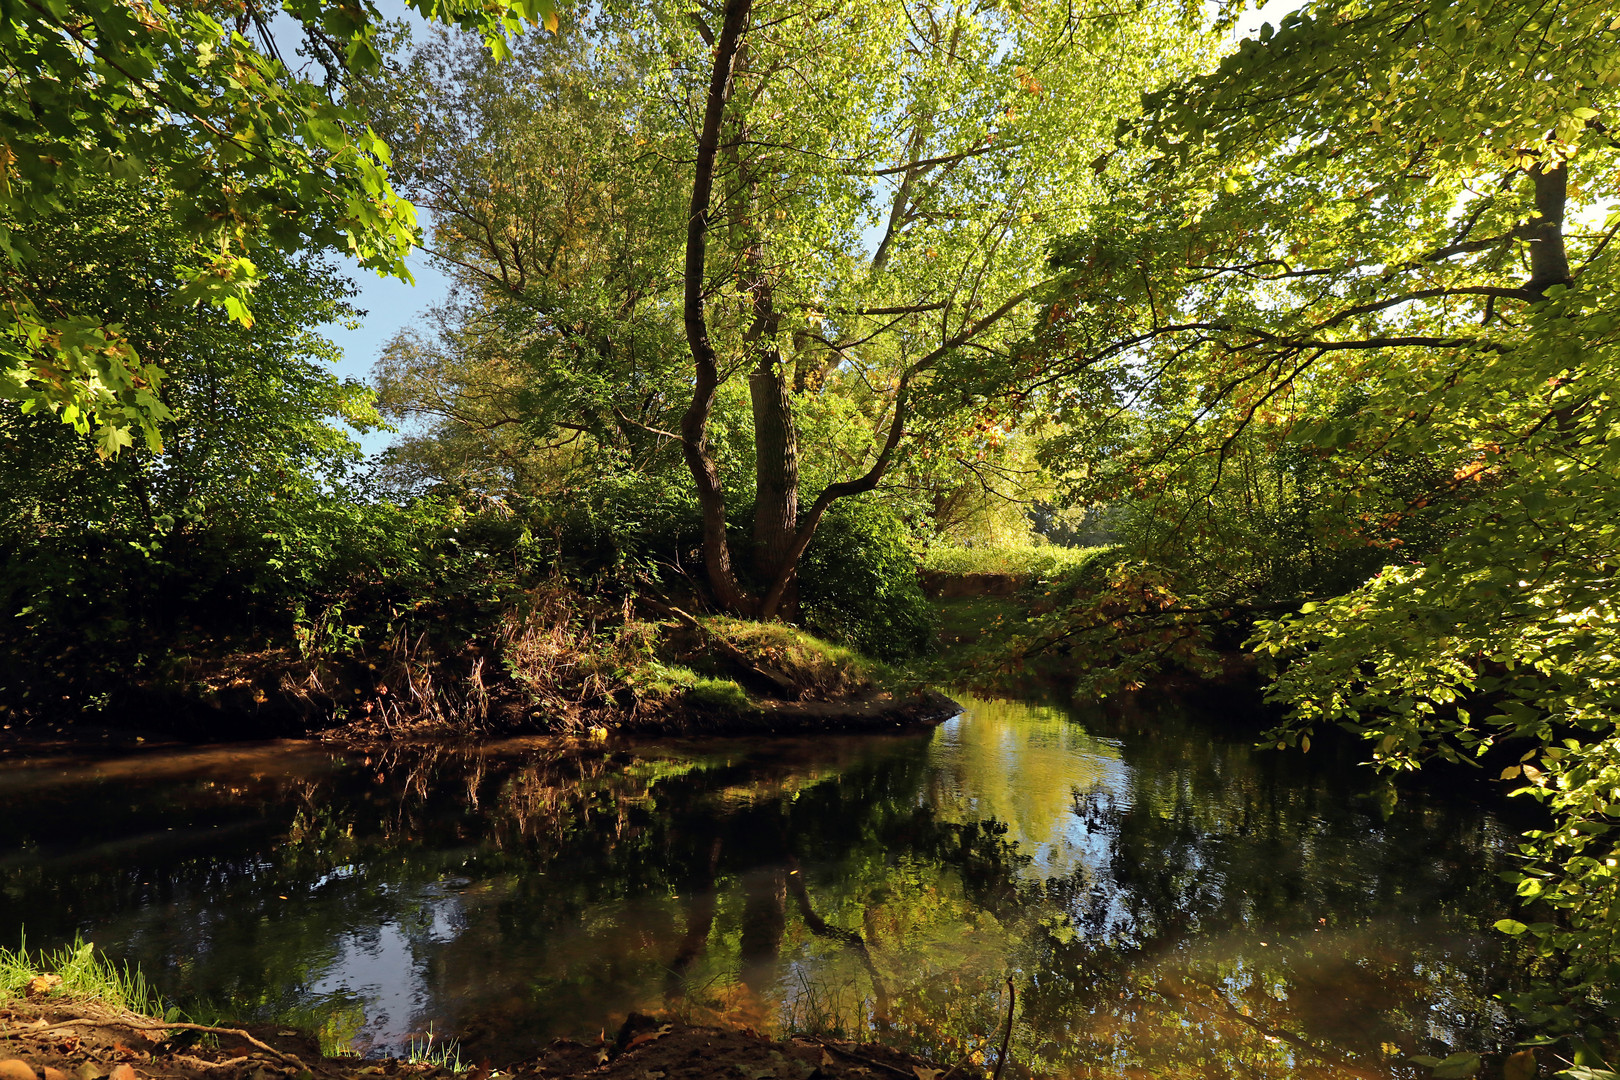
1168 900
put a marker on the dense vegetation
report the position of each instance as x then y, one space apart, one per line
755 303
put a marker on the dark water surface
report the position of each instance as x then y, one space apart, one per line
1169 901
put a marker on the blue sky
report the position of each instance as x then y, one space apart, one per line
390 306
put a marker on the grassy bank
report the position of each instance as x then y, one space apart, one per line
76 972
478 634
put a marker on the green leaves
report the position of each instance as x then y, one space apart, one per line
1349 347
103 88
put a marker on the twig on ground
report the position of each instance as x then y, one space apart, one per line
199 1063
852 1055
175 1025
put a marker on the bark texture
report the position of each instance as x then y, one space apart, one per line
1549 262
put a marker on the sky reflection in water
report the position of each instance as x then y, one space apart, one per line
1168 900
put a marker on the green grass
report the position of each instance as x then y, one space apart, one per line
655 679
1030 562
85 974
440 1053
721 694
813 663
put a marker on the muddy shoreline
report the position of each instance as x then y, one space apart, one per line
86 1040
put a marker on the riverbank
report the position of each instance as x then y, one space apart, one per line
558 663
55 1039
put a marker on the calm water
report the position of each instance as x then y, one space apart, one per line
1168 901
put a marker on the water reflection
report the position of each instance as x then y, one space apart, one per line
1168 901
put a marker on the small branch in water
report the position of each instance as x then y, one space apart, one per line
1006 1034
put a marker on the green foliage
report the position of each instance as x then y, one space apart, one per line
858 583
254 155
559 359
1036 562
1362 198
627 522
231 521
565 356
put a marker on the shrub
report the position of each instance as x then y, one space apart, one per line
858 583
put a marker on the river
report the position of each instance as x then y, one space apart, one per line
1166 899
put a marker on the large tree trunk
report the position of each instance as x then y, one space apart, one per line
776 466
1549 261
695 421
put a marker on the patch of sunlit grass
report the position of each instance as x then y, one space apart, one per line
78 972
1044 561
439 1052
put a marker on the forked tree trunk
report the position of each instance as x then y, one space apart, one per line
781 535
695 421
776 508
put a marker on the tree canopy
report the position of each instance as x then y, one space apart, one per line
839 207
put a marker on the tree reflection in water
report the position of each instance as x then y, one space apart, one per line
1169 901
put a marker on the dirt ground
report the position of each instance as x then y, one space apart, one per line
51 1039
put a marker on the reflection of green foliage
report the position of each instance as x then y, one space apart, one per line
1121 869
334 1020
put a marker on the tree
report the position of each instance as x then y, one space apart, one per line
556 212
224 524
1407 202
960 135
853 223
99 88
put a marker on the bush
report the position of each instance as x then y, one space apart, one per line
858 583
637 523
